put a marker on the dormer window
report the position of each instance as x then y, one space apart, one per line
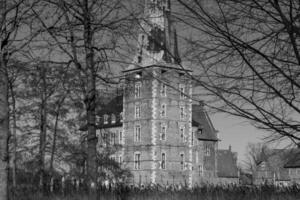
200 130
113 119
98 118
121 117
105 117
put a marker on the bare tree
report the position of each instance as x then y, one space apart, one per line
13 16
4 130
248 57
255 154
85 34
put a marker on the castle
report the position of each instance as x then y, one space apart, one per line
164 138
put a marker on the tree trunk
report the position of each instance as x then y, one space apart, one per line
43 129
4 131
90 100
14 134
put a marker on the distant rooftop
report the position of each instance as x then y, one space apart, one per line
227 164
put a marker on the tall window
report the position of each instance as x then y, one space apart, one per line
137 160
163 132
182 161
120 137
163 110
197 157
137 111
163 90
207 150
112 138
137 135
192 139
201 170
181 90
181 130
137 90
163 161
182 112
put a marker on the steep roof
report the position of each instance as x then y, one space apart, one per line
113 107
201 120
293 160
227 164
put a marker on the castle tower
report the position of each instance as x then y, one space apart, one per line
157 121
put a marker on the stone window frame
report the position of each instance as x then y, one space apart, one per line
182 112
163 110
192 138
112 138
120 136
137 111
182 133
182 161
163 90
182 91
201 171
137 160
137 135
137 89
163 125
207 150
163 162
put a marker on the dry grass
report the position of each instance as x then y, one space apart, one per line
203 193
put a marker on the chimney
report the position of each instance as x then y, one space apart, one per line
230 148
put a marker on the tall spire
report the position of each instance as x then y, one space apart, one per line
158 38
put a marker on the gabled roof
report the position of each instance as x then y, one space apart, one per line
227 164
201 120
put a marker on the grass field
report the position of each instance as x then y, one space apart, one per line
203 193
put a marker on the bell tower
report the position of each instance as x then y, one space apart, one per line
157 40
157 109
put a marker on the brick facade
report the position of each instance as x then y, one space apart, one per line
166 139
